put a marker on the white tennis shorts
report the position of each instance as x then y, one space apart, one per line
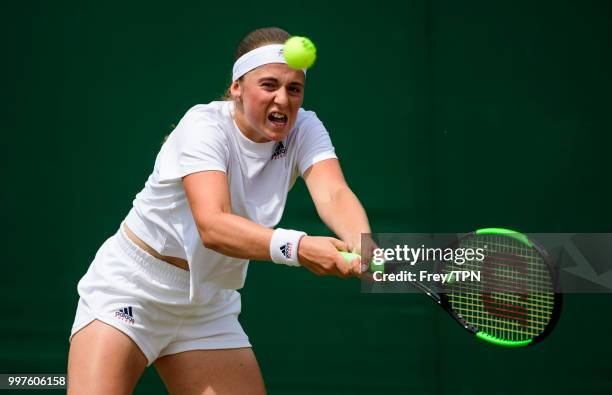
148 300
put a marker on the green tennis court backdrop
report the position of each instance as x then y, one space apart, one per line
447 116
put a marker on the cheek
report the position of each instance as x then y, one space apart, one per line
297 103
252 112
296 107
254 108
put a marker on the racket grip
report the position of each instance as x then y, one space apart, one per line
349 256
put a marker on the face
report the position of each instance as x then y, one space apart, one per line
267 101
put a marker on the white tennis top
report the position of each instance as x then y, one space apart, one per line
259 175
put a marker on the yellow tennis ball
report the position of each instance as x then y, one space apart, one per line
300 52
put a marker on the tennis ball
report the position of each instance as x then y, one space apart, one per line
300 52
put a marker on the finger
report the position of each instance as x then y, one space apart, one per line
339 244
336 272
344 267
356 267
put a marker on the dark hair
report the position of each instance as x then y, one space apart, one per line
255 39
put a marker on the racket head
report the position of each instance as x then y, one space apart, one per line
517 303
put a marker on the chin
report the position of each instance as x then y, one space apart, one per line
276 135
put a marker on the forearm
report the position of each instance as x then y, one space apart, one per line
345 216
235 236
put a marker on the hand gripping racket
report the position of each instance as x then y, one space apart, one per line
517 302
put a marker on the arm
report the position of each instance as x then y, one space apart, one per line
336 204
235 236
209 199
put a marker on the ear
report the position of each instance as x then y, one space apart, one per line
236 90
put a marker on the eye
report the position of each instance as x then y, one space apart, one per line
268 85
295 89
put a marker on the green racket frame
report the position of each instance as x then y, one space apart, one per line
443 299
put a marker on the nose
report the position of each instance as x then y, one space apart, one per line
281 98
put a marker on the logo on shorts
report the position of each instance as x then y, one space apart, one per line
125 314
286 250
280 151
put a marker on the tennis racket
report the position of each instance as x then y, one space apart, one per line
517 303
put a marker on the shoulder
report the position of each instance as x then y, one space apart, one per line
307 124
198 143
306 119
204 121
308 127
216 112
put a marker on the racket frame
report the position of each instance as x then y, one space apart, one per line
442 299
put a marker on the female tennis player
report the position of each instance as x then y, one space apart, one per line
163 289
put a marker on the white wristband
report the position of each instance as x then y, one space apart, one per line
284 246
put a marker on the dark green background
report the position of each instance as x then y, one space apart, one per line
447 116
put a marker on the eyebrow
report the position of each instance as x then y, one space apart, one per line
262 79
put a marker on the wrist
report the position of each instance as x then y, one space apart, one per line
284 246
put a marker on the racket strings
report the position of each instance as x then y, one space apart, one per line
515 299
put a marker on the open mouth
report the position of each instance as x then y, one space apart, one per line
278 118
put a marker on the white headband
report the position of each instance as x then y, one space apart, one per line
267 54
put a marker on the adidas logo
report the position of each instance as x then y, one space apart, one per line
125 314
280 151
287 250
